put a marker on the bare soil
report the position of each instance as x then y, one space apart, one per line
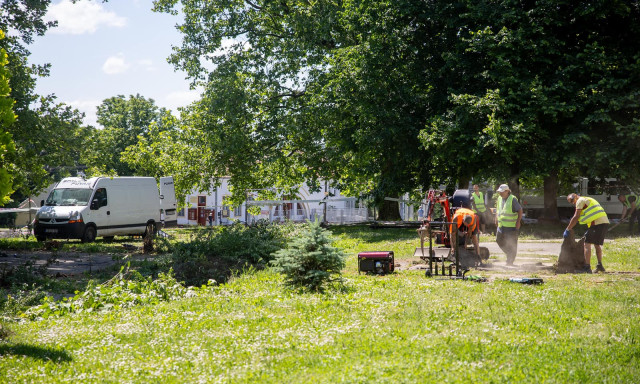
534 258
67 263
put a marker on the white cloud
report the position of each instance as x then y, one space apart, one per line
82 17
115 65
89 107
181 99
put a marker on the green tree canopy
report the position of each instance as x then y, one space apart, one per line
123 121
305 92
387 96
552 90
7 147
48 135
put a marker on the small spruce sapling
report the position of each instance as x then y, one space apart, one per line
310 261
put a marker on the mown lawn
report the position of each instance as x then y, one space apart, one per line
398 328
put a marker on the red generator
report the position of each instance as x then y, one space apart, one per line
378 262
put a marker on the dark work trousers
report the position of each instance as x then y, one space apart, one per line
507 239
635 216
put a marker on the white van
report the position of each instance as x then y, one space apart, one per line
106 206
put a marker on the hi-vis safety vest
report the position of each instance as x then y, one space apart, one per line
478 200
506 217
627 203
459 217
592 212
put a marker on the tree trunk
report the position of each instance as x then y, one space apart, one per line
389 211
463 182
550 212
514 180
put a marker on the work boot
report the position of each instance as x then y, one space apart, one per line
584 269
599 268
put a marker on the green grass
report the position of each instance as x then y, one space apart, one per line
401 328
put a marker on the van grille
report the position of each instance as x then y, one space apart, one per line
53 221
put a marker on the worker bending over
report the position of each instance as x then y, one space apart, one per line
590 212
466 223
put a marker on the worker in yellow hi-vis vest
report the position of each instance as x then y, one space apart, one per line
508 220
591 213
630 209
477 202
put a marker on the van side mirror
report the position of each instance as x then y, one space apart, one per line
94 204
42 203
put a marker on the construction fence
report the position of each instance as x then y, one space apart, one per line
333 215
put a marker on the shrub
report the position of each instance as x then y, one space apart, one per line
218 253
5 332
310 262
19 299
126 289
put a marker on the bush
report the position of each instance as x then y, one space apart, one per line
19 299
218 253
5 332
126 289
310 262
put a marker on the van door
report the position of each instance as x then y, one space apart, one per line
101 212
168 201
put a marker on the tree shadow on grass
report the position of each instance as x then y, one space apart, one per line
35 352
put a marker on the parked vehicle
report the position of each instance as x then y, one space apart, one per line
84 209
604 191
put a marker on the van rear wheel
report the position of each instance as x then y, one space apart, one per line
89 235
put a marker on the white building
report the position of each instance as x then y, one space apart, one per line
211 208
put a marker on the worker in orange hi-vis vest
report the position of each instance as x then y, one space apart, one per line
466 223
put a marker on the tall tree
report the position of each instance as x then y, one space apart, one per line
7 147
342 90
306 91
553 87
123 121
47 134
172 147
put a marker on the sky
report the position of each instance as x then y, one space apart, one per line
101 50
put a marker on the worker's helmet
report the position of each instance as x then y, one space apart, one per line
468 219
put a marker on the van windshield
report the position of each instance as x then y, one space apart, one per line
69 197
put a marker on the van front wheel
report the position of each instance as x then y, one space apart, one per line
89 235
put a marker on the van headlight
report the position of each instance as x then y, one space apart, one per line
75 217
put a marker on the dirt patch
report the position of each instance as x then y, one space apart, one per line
65 263
534 258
